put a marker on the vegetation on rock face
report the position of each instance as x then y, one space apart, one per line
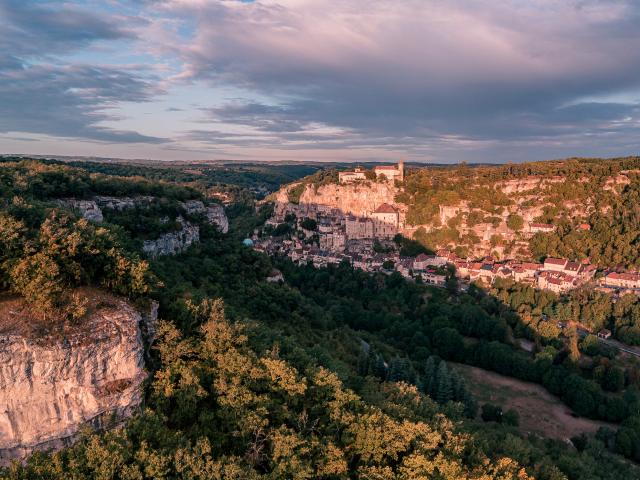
515 222
585 185
318 179
612 240
43 266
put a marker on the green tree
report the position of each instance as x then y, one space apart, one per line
515 222
444 391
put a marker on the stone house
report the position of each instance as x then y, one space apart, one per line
390 172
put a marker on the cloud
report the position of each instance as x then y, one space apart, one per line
42 93
427 79
31 29
420 70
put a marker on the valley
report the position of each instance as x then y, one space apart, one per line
376 338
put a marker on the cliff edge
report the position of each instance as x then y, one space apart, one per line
56 377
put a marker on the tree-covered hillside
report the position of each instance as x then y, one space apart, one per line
600 193
333 373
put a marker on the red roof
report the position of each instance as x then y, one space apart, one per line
385 208
556 261
531 266
573 266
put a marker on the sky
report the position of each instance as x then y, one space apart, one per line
321 80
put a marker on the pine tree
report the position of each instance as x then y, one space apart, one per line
407 371
457 386
397 370
445 392
429 373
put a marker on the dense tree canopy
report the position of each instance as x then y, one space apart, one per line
335 373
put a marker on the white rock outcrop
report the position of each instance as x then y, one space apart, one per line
89 209
122 203
214 213
174 242
354 199
50 387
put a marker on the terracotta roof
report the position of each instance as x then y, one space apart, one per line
385 208
573 266
555 261
531 266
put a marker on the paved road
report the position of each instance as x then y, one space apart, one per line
614 344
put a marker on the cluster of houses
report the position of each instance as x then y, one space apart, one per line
336 230
616 281
362 255
556 274
338 237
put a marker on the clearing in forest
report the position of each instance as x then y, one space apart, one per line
540 412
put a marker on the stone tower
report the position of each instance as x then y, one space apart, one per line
401 169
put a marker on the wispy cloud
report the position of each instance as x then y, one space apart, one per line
502 80
41 92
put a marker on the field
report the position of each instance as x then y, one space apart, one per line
540 412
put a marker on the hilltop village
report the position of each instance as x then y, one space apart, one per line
369 230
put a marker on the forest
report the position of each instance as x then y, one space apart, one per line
333 373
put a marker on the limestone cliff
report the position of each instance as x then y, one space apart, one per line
482 229
214 213
89 209
54 379
174 242
122 203
358 199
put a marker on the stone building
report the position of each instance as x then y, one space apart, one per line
351 175
390 172
385 221
359 227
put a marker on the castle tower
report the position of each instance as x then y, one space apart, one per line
401 169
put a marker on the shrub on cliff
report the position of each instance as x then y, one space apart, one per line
43 265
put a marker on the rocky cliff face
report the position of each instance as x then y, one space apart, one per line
351 198
174 242
122 203
89 209
488 232
52 385
168 244
214 213
354 199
